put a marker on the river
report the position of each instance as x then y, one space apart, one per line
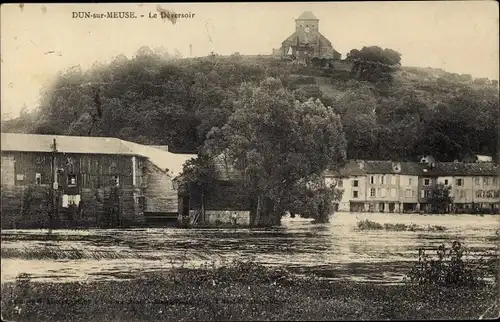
337 250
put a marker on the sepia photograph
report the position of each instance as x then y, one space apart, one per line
278 161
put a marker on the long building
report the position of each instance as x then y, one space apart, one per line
93 181
387 186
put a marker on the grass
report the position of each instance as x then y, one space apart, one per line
238 291
372 225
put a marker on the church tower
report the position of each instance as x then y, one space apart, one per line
307 22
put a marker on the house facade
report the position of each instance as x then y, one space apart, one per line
84 181
386 186
473 186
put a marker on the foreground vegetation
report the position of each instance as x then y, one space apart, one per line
448 287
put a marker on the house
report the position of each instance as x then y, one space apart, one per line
351 180
392 186
224 202
102 181
473 185
307 42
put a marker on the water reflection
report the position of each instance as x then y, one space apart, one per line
334 250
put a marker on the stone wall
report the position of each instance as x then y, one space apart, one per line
227 217
8 170
159 193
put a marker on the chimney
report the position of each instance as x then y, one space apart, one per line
361 164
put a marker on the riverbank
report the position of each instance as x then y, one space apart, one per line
244 291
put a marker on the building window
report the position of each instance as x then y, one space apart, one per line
115 181
422 194
38 178
393 192
495 181
354 183
341 183
427 193
486 181
408 193
413 193
355 194
409 181
372 179
19 177
382 193
72 180
446 182
382 179
462 194
479 194
477 181
372 192
459 182
427 182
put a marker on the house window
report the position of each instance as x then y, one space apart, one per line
462 194
372 179
422 193
115 181
486 181
355 194
446 181
382 193
71 180
381 179
372 192
495 181
459 182
409 181
408 193
477 181
38 178
341 183
413 193
354 183
393 192
427 182
427 193
19 177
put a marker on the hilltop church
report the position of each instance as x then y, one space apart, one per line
307 42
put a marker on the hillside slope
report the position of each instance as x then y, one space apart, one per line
176 102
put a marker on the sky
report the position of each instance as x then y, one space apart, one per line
38 40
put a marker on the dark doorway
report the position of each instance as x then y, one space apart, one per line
185 206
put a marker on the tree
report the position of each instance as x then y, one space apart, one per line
279 145
440 198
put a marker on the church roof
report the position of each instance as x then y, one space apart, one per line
307 15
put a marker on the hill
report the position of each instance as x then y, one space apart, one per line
155 99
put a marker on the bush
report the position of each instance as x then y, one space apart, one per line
451 268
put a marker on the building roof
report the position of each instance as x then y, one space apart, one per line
67 144
307 15
94 145
361 167
461 169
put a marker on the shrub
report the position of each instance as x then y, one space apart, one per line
451 268
368 224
